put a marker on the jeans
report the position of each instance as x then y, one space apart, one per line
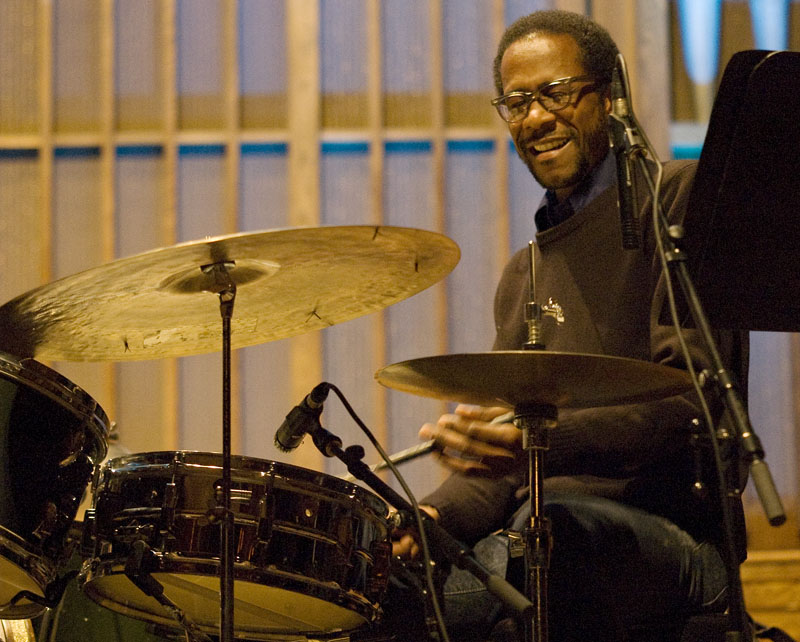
616 573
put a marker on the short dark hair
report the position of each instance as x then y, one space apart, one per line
598 49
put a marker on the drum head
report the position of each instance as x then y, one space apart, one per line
258 609
13 579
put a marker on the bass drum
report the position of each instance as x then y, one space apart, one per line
312 551
51 435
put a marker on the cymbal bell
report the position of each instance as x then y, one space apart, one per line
165 303
513 377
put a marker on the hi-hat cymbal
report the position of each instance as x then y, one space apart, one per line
513 377
162 304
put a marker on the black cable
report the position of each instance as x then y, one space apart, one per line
423 540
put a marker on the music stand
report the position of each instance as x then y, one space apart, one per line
739 239
743 220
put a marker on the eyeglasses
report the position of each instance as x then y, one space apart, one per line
552 96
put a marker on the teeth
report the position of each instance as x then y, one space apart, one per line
547 145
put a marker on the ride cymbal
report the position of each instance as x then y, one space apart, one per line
162 303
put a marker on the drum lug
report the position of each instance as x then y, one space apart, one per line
88 539
266 516
48 523
167 521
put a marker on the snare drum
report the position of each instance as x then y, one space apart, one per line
51 434
312 551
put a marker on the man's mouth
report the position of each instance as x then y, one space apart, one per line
549 145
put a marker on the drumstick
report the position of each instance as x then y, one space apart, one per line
424 448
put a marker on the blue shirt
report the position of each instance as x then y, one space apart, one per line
550 212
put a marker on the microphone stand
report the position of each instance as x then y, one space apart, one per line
443 543
750 444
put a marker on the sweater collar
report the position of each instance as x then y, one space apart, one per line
551 213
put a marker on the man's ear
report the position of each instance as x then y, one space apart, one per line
607 101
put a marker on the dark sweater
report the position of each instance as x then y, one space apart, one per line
638 454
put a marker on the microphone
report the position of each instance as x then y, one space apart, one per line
301 419
625 139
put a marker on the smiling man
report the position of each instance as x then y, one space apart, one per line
556 111
635 550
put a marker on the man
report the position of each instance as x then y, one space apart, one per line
634 549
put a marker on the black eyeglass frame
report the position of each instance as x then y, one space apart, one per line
530 96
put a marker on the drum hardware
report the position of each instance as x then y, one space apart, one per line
143 307
312 551
444 545
534 311
535 383
138 569
535 420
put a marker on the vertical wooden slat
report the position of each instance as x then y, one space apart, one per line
640 28
169 73
46 137
107 169
578 6
651 86
501 155
619 17
304 102
376 169
232 174
438 138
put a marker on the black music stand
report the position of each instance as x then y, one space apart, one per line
740 242
743 221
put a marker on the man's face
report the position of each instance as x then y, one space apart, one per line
562 147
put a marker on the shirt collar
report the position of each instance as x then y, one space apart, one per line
550 212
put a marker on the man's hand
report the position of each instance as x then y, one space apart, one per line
404 542
470 443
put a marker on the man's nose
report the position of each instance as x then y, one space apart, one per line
537 116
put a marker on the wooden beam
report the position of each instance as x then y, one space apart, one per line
304 105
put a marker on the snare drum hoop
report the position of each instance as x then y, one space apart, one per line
165 459
40 570
61 390
332 488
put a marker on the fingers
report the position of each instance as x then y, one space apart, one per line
481 413
405 547
404 542
473 437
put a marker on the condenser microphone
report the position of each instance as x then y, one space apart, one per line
301 419
625 139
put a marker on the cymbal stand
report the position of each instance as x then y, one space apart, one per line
535 420
225 288
534 311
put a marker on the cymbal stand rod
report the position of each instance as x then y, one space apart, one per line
227 296
535 421
535 311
